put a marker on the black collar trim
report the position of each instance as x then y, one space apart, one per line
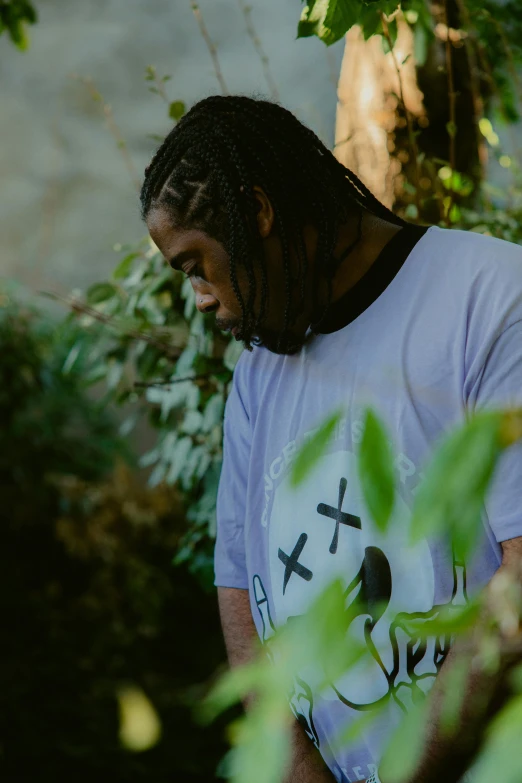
379 276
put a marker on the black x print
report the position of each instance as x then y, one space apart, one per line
341 518
291 564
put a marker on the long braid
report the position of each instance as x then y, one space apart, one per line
247 190
326 251
285 245
204 174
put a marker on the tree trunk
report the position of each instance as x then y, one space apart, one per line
380 92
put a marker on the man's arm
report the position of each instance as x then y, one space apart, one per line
242 643
447 756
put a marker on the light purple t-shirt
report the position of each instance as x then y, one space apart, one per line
442 340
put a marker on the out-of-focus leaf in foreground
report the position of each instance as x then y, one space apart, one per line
498 754
376 471
140 726
317 640
404 750
451 498
313 450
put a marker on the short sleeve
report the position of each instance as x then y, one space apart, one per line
499 386
229 557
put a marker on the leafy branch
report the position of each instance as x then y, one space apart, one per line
113 128
254 37
411 134
210 46
452 99
77 306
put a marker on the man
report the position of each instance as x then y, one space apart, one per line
340 304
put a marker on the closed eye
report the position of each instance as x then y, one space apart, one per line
182 261
187 263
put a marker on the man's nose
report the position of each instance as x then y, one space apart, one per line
206 303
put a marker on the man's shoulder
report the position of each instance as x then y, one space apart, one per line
480 271
472 248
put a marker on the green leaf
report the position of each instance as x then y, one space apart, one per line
268 726
149 458
370 22
100 292
502 748
191 424
124 266
213 412
515 678
448 621
179 457
140 725
409 188
376 471
329 20
20 36
404 750
15 15
114 373
158 282
321 637
420 45
451 128
231 688
313 450
450 499
456 680
71 358
176 110
356 728
232 353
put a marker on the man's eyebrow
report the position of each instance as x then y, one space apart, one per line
176 261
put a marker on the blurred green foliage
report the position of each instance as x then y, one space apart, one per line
448 505
141 331
50 426
90 602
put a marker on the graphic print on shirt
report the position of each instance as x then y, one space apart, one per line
323 530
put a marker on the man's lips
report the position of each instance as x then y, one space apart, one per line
234 330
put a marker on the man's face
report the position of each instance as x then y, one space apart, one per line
207 264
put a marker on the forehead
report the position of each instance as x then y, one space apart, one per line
172 239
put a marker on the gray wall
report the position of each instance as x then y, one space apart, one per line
67 197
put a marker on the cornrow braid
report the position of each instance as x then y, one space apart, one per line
204 175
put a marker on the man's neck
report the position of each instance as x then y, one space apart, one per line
375 235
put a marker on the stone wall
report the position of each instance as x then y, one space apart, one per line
67 196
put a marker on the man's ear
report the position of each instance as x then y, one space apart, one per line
265 214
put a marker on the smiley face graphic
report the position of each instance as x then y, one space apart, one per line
322 530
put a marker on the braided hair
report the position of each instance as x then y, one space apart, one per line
204 175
